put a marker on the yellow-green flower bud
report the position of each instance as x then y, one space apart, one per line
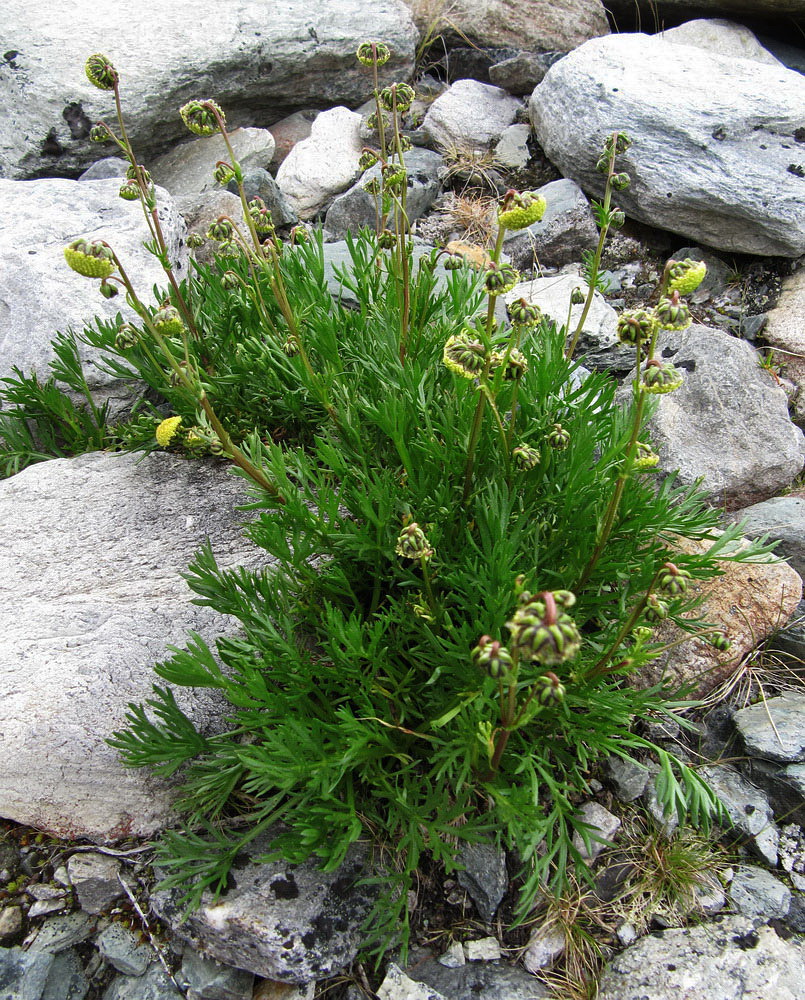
642 634
602 164
405 144
465 355
195 439
673 581
549 689
168 321
222 229
93 259
656 609
645 458
373 53
373 186
686 275
659 378
577 296
558 437
167 431
228 248
223 173
620 140
216 447
126 337
203 117
100 133
129 190
108 291
635 326
230 280
453 261
719 641
299 234
195 240
521 209
672 313
290 346
412 543
525 457
514 366
620 182
373 124
367 159
386 239
543 632
491 656
500 278
400 94
100 72
523 313
261 216
617 218
394 176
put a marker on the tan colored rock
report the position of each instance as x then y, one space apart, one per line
748 603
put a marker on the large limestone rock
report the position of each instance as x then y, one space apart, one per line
723 38
728 424
40 295
258 64
557 24
188 169
714 154
470 116
90 555
324 164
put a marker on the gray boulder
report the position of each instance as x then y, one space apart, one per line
40 295
714 153
472 981
92 548
561 236
722 38
775 729
725 958
757 894
783 519
747 807
259 183
188 169
470 116
258 67
784 331
291 923
728 424
357 208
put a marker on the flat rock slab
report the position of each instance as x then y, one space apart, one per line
259 67
782 519
715 155
40 295
291 923
726 959
775 729
91 549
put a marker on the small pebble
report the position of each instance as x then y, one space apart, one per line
483 950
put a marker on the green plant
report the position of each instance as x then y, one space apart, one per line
427 478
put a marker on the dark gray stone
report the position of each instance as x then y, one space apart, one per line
783 520
293 923
101 170
357 208
775 729
95 880
156 984
484 876
627 778
123 950
23 974
521 73
489 980
206 979
566 229
757 894
57 934
259 183
747 807
66 980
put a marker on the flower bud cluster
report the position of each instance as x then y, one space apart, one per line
526 457
491 656
464 354
203 118
558 438
398 95
523 313
373 53
541 628
672 313
673 581
500 278
100 72
92 258
660 378
413 544
520 210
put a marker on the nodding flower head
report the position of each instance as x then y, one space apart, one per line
617 217
108 290
222 229
299 235
525 457
223 173
577 296
373 53
491 656
203 117
464 354
373 123
412 543
656 609
645 458
195 240
129 190
230 280
619 140
386 239
672 313
453 261
394 176
659 378
685 275
100 72
673 581
523 313
167 431
542 630
100 133
521 209
261 216
290 346
126 337
621 181
168 321
92 258
367 159
399 95
549 689
719 640
500 278
513 367
558 437
635 326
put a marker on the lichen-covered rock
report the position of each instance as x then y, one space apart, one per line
91 549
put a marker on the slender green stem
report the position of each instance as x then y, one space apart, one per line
599 667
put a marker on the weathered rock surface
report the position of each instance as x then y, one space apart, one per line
714 155
748 602
483 876
187 169
757 894
563 233
725 958
470 116
722 38
357 208
292 923
92 548
475 980
747 807
40 295
728 424
775 729
561 24
785 332
324 164
258 68
783 519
